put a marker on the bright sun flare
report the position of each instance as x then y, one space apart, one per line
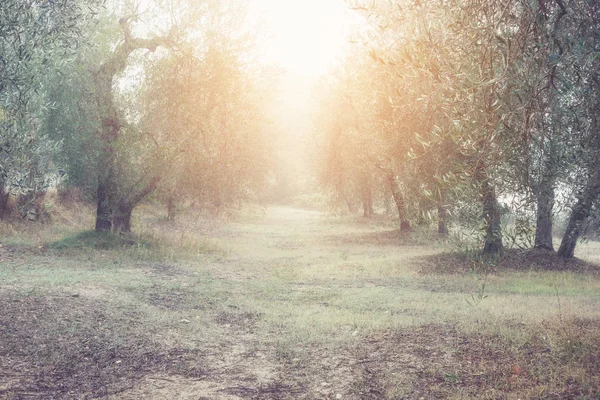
305 37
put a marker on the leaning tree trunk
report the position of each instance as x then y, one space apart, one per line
491 213
580 214
400 204
114 204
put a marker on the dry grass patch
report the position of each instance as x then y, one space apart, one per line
441 362
55 345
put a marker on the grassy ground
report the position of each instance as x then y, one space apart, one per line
288 305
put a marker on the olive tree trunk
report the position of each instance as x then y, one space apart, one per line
400 203
545 192
545 204
580 213
491 212
114 203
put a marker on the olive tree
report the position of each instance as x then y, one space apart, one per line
36 38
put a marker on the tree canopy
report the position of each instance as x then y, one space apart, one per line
468 115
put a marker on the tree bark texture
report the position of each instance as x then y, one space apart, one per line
491 212
545 192
122 218
545 204
114 204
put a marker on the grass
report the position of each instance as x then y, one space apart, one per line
290 304
92 240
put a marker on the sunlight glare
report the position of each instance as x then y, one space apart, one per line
304 37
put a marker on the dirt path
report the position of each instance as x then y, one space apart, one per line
313 241
296 251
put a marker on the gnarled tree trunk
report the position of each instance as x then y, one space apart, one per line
114 204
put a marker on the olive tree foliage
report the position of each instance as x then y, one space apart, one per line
488 36
470 52
118 191
549 111
71 122
542 141
345 152
99 118
550 149
206 103
445 75
578 67
36 38
510 88
452 60
73 117
135 155
365 131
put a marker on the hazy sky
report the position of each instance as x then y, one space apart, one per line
304 36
